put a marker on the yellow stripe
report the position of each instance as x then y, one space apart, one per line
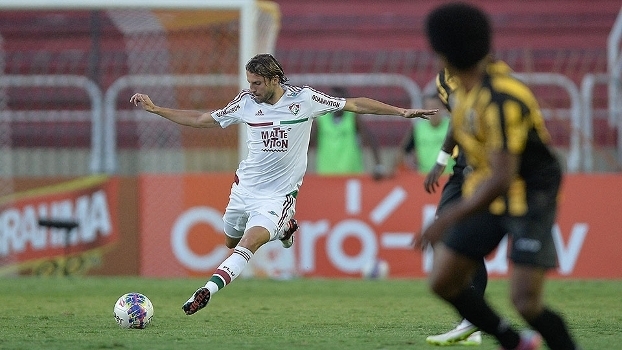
73 185
32 264
185 19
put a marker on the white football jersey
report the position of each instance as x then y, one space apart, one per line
277 136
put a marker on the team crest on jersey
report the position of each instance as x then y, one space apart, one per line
294 108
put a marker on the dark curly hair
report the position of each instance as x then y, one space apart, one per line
460 32
265 65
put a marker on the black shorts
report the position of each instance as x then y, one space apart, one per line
531 237
452 191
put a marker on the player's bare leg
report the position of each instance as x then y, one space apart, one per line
527 284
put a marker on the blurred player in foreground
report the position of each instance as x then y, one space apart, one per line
465 332
512 189
277 119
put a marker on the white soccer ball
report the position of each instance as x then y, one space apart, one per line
133 310
375 269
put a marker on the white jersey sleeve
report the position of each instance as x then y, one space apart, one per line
322 103
233 112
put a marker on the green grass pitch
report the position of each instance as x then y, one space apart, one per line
76 313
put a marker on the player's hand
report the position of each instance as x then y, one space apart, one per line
144 101
419 113
431 235
431 180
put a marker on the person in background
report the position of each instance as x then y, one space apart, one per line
420 145
340 137
277 118
512 189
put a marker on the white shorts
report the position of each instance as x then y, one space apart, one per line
245 211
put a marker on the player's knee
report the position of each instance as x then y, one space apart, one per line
232 236
527 306
231 242
442 288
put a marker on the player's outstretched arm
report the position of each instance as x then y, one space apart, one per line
195 119
364 105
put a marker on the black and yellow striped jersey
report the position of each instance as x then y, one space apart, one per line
503 114
445 84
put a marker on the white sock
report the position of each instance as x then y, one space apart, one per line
229 269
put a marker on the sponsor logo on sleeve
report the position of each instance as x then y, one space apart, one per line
325 101
229 110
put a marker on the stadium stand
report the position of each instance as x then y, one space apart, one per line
322 36
532 36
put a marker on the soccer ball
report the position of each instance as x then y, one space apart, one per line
375 269
133 310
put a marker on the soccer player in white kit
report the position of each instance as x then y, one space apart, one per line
278 121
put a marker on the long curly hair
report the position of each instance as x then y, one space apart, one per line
265 65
